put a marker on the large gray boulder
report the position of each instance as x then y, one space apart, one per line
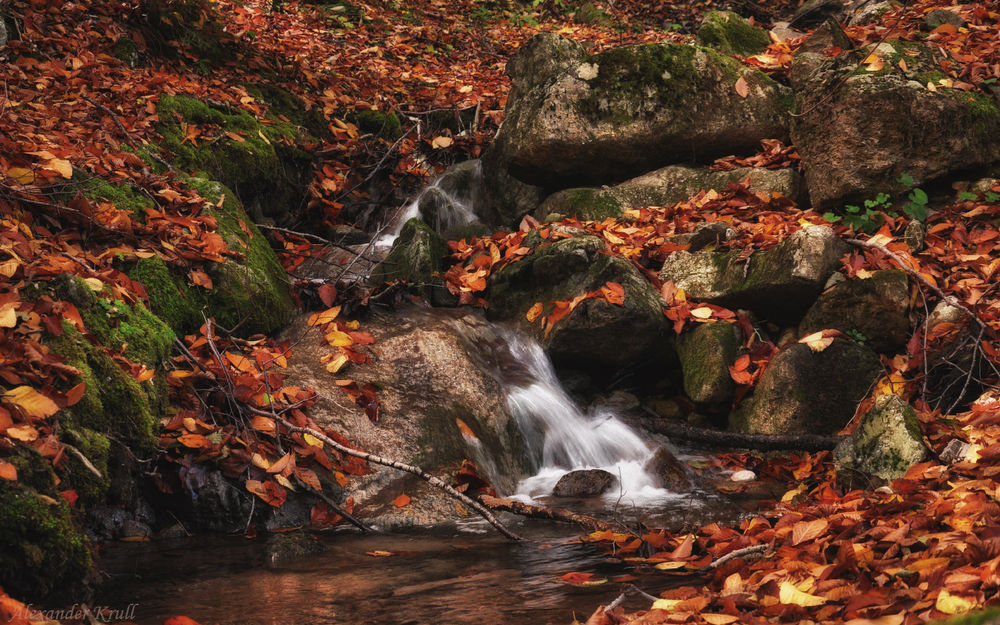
664 187
885 445
807 392
596 335
626 111
778 283
706 352
877 308
884 123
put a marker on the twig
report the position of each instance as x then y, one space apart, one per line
427 477
336 508
543 512
739 553
79 454
312 237
378 165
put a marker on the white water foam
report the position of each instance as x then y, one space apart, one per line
453 209
573 439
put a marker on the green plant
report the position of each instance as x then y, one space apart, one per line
869 220
916 206
857 336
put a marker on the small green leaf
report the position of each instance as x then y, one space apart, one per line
832 217
906 180
917 196
965 195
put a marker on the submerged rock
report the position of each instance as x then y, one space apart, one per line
706 352
597 335
584 483
885 445
808 392
293 545
874 310
667 471
611 116
885 123
663 187
778 283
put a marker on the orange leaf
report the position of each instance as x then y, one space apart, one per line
24 433
31 402
8 471
194 441
808 530
401 501
534 312
180 620
379 553
614 293
200 278
742 88
75 394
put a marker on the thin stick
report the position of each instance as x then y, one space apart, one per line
427 477
336 508
739 553
87 463
311 237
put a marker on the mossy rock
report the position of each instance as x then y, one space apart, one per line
885 445
284 104
124 196
729 33
385 125
706 352
597 335
417 256
249 295
874 310
808 392
45 557
266 165
614 115
779 283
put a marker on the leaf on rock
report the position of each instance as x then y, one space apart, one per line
401 501
31 402
742 88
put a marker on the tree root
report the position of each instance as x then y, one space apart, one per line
544 512
718 438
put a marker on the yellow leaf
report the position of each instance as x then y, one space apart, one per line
21 175
61 166
953 604
260 461
670 566
311 440
339 339
324 317
34 404
793 493
338 363
441 142
720 619
94 284
281 479
465 89
665 604
23 433
816 341
789 594
702 312
534 312
8 315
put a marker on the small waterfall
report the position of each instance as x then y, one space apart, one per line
571 438
447 202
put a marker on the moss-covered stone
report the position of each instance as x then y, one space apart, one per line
808 392
417 256
265 165
385 125
886 443
44 555
729 33
123 196
170 298
706 352
284 104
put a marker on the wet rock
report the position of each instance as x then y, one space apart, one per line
283 547
874 309
886 443
668 472
816 12
706 353
597 335
105 523
617 114
135 529
619 402
584 483
730 33
940 17
885 123
437 371
417 256
809 57
778 284
663 187
217 505
705 234
807 392
451 199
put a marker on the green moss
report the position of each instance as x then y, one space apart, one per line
127 51
96 447
385 125
265 164
593 204
729 33
33 471
705 354
44 555
124 196
990 616
170 298
253 295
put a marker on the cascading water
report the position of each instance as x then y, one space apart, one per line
560 435
443 204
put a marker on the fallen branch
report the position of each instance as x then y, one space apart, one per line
336 508
681 431
544 512
315 238
87 463
427 477
738 553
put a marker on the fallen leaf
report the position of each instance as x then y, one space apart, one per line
8 471
953 604
401 501
789 594
441 142
31 402
379 553
742 88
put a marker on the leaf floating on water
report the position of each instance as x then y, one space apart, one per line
180 620
379 553
582 579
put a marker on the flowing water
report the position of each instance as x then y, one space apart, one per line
448 207
460 575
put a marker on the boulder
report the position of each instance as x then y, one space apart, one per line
811 54
664 187
876 308
417 256
451 199
940 17
730 33
626 111
596 336
884 123
441 402
584 483
808 392
706 353
886 443
815 12
667 471
778 284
